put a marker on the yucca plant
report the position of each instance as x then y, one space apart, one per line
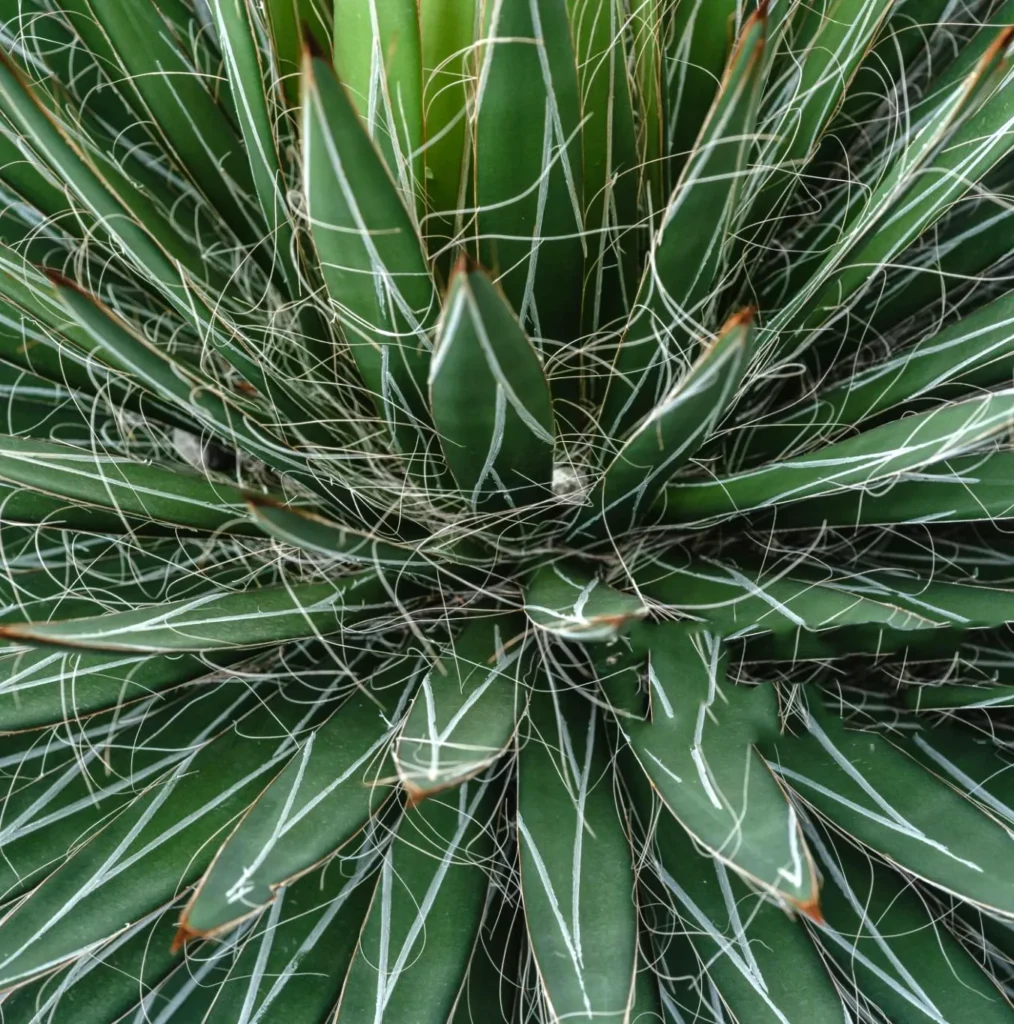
502 511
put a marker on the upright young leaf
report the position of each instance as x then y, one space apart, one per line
447 31
378 57
611 161
686 259
672 432
370 254
528 183
490 401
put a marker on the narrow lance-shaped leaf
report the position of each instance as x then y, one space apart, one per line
164 89
967 134
132 489
740 939
464 714
447 30
569 601
528 184
820 77
311 531
888 941
426 911
577 877
859 462
672 432
214 622
60 788
698 751
322 798
237 30
43 685
697 46
293 960
687 254
490 401
611 161
104 985
648 28
378 57
287 19
973 352
893 805
370 254
811 611
967 489
164 840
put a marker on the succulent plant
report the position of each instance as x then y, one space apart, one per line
503 511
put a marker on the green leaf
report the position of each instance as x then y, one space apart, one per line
134 490
743 943
814 612
39 686
323 797
611 161
975 352
106 984
489 397
891 804
213 622
889 943
570 602
237 27
238 422
464 715
286 19
698 751
163 841
958 141
819 76
306 529
970 764
492 989
447 31
294 959
876 455
647 23
164 88
697 46
426 911
528 184
378 57
370 254
687 254
965 489
672 432
577 876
